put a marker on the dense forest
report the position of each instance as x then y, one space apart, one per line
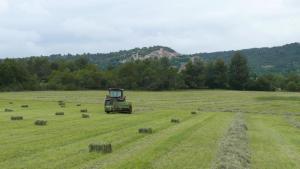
44 73
282 59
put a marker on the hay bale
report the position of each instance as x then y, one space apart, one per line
103 148
40 122
8 110
83 110
175 121
145 130
16 117
59 113
78 104
193 112
24 106
85 116
61 103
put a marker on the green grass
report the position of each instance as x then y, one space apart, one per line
273 139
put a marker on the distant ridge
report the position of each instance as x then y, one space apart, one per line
280 59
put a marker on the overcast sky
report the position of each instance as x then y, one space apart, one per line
42 27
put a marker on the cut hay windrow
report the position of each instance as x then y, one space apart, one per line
24 106
83 110
85 116
16 117
234 147
102 147
291 120
8 110
59 113
145 130
40 122
175 121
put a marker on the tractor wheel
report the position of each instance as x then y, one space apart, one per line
130 109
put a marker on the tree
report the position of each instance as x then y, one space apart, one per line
194 74
238 72
293 86
216 74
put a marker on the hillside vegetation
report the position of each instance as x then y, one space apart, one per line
281 59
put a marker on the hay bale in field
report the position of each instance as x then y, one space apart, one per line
102 147
85 116
8 110
24 106
175 121
59 113
83 110
16 117
40 122
61 103
193 112
145 130
78 104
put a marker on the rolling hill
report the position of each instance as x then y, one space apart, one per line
280 59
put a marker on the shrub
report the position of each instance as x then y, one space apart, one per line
40 122
145 130
175 121
85 116
103 147
8 110
24 106
16 118
59 113
83 110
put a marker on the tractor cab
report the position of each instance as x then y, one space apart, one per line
115 101
115 93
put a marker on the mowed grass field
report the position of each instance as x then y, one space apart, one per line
261 129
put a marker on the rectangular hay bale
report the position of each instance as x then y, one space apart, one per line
61 103
8 110
83 110
103 148
59 113
16 117
175 121
85 116
40 122
193 112
145 130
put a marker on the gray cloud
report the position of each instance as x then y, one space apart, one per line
42 27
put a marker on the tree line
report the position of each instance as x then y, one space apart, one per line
41 73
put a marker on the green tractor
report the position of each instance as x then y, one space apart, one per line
115 101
